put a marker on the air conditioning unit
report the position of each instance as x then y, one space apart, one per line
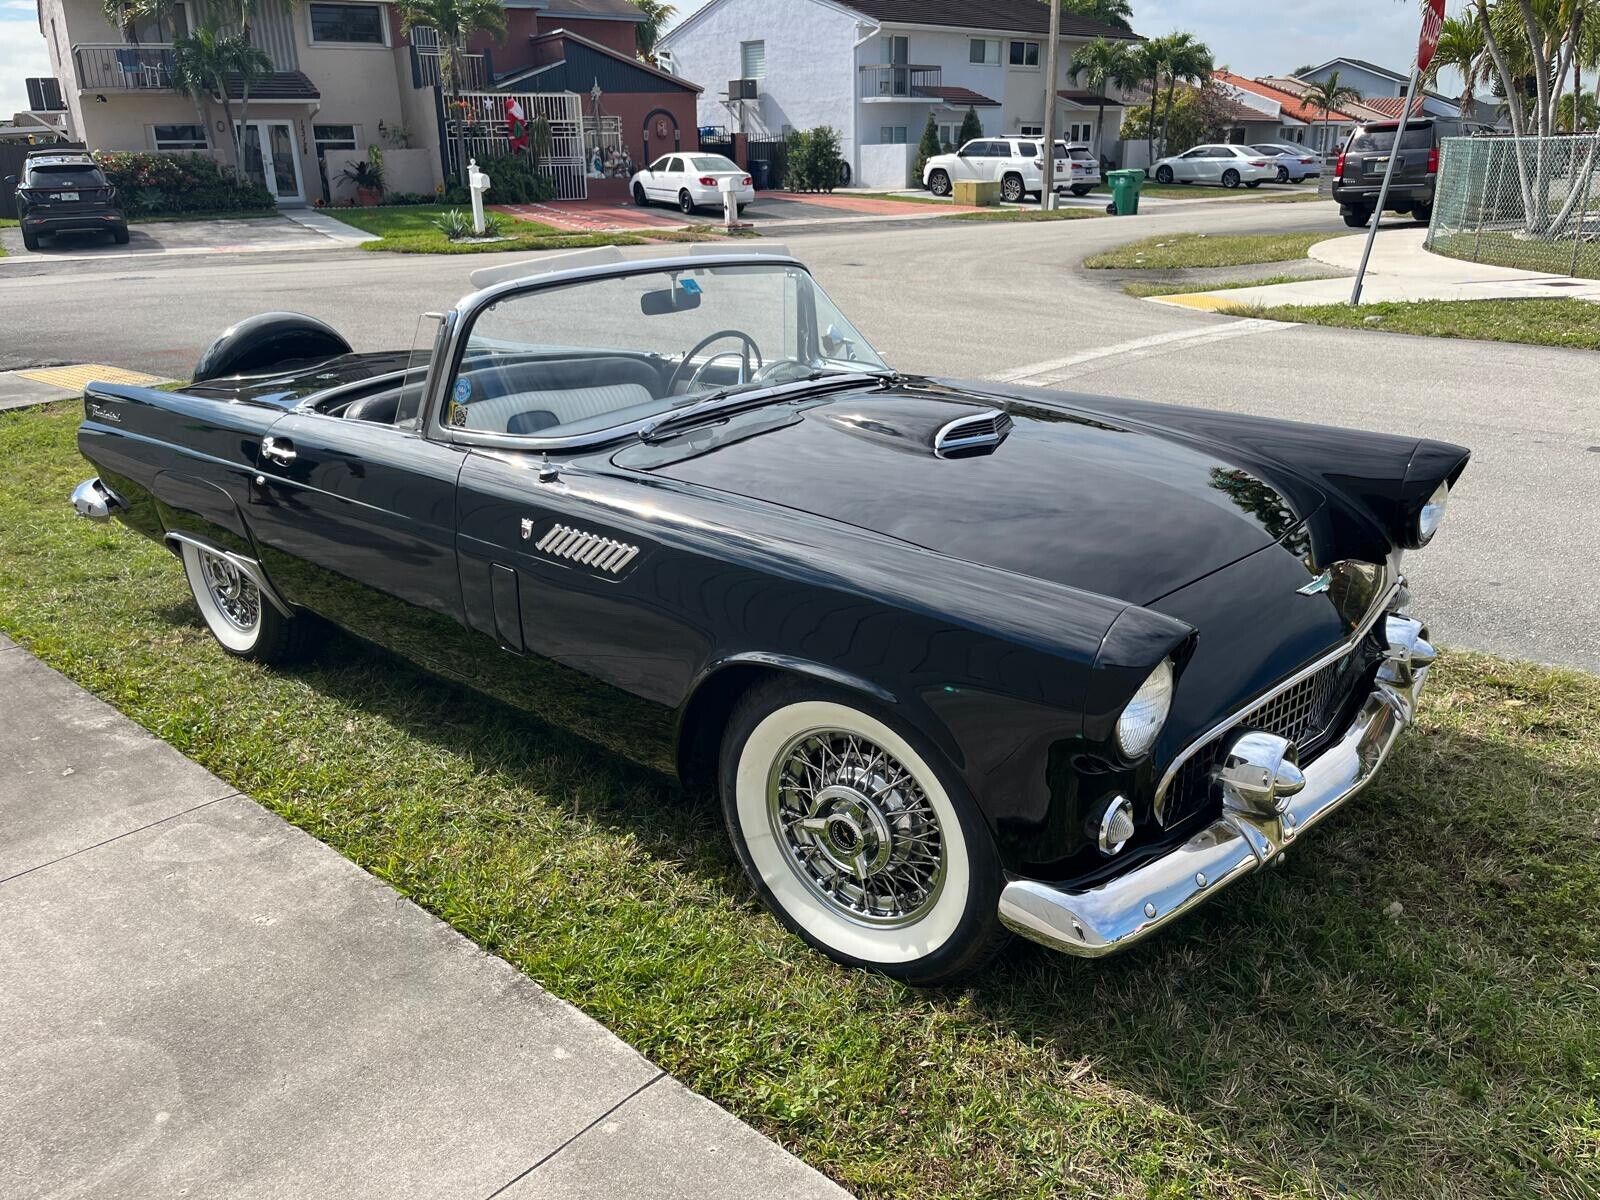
743 89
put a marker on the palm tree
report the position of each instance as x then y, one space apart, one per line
210 60
1118 14
656 15
454 21
1327 96
1576 112
1461 48
1150 59
1100 64
1188 61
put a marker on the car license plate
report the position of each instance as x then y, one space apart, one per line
1377 166
65 196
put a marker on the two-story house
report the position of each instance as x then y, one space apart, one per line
345 77
1385 91
875 69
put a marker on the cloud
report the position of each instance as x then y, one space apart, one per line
22 56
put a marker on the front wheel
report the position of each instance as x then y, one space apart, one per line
1254 183
1423 213
685 202
1011 189
858 836
30 241
939 183
1230 178
242 620
120 235
1163 174
639 198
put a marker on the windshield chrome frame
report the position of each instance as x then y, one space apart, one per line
455 330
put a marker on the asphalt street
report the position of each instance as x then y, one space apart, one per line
1515 569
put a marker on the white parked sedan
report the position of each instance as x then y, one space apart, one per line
1226 165
690 181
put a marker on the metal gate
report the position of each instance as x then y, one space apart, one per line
488 133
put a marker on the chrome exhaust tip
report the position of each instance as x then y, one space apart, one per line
95 501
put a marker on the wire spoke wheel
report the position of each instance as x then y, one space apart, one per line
235 595
856 828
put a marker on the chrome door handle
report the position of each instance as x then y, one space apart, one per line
278 452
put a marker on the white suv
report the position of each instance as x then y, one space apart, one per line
1012 162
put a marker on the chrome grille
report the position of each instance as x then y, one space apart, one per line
1300 712
587 549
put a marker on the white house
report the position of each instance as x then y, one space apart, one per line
875 69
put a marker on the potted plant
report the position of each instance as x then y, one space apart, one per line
367 177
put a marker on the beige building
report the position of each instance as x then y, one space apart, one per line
344 79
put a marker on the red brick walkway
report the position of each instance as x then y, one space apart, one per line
593 216
876 206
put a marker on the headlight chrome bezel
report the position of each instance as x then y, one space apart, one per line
1431 515
1142 719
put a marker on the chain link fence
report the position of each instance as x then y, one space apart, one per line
1527 202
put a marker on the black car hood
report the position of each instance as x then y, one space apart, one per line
1066 497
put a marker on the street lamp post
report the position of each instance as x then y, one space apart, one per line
1047 194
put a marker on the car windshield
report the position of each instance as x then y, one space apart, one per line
66 176
616 350
714 162
1381 141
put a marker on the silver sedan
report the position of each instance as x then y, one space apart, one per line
1226 165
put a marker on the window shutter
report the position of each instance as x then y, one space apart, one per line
753 60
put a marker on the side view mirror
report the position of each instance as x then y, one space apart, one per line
11 181
833 342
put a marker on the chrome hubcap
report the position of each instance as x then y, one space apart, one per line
236 597
856 828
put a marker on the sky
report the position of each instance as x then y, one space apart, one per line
1252 37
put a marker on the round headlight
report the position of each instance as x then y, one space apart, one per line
1141 721
1432 514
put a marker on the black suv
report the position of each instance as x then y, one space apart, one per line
65 190
1358 173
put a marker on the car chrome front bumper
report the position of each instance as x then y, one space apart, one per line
1125 910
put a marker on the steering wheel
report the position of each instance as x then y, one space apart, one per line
745 372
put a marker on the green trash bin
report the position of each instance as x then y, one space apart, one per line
1124 192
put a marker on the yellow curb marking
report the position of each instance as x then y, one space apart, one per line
1205 301
76 378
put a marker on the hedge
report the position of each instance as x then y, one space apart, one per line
158 184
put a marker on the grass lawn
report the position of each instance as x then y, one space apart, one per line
7 223
1556 322
1406 1008
1505 248
898 197
1138 287
408 229
1027 214
1175 251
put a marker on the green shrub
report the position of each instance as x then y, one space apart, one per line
927 148
406 199
514 180
454 224
158 184
813 160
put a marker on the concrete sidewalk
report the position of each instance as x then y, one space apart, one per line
198 999
1400 269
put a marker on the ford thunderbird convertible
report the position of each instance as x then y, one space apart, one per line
959 661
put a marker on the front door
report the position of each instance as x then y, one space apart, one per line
271 160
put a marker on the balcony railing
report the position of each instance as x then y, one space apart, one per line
111 67
899 81
427 69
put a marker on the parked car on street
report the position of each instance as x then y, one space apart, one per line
66 192
691 181
957 662
1227 165
1015 163
1294 163
1359 169
1085 167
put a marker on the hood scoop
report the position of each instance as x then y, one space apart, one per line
968 437
929 428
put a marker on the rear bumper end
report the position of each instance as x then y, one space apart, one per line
1366 194
66 222
1260 820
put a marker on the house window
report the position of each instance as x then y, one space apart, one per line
949 133
335 137
753 60
174 24
178 137
891 135
896 50
1031 130
1024 54
1080 131
357 23
985 51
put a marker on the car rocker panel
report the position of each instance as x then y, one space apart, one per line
957 661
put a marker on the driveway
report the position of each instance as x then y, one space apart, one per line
252 235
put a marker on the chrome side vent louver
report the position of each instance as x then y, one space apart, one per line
967 437
587 549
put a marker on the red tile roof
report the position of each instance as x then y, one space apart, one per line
1390 106
1290 104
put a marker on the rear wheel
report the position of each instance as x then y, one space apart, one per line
939 183
1230 178
1163 174
30 240
1356 218
639 197
242 620
1283 174
120 235
1082 189
858 836
685 202
1423 213
1011 189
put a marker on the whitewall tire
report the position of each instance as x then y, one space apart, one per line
856 839
239 616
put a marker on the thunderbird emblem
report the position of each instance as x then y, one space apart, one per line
1318 585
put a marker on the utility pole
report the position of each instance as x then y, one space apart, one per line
1047 197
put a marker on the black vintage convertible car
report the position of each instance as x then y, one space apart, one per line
958 661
